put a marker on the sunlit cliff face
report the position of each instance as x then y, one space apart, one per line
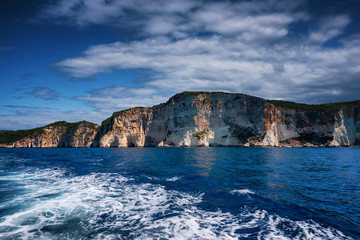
218 119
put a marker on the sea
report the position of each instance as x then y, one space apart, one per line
180 193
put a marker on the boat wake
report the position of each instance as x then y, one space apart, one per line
53 204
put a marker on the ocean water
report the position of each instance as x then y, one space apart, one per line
180 193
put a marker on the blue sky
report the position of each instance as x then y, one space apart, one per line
78 60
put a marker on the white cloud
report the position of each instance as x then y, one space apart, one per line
181 18
44 93
114 98
26 107
329 28
81 12
228 19
87 12
237 46
284 71
41 118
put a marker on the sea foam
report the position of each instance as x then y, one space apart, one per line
242 191
54 204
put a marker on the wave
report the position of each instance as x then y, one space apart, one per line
172 179
242 191
57 205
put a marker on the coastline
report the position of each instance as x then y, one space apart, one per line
205 119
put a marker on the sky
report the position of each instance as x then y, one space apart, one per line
73 60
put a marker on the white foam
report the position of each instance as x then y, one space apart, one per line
242 191
105 204
173 179
153 178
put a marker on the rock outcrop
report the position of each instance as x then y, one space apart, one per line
194 119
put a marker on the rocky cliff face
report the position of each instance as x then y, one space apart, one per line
192 119
223 119
189 119
296 127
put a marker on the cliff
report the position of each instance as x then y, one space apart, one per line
209 119
58 134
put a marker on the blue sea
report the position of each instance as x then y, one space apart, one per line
180 193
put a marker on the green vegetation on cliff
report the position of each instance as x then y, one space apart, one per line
105 122
8 136
313 107
197 93
116 114
69 125
200 135
259 138
180 96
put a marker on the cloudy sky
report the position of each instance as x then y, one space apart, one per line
84 59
